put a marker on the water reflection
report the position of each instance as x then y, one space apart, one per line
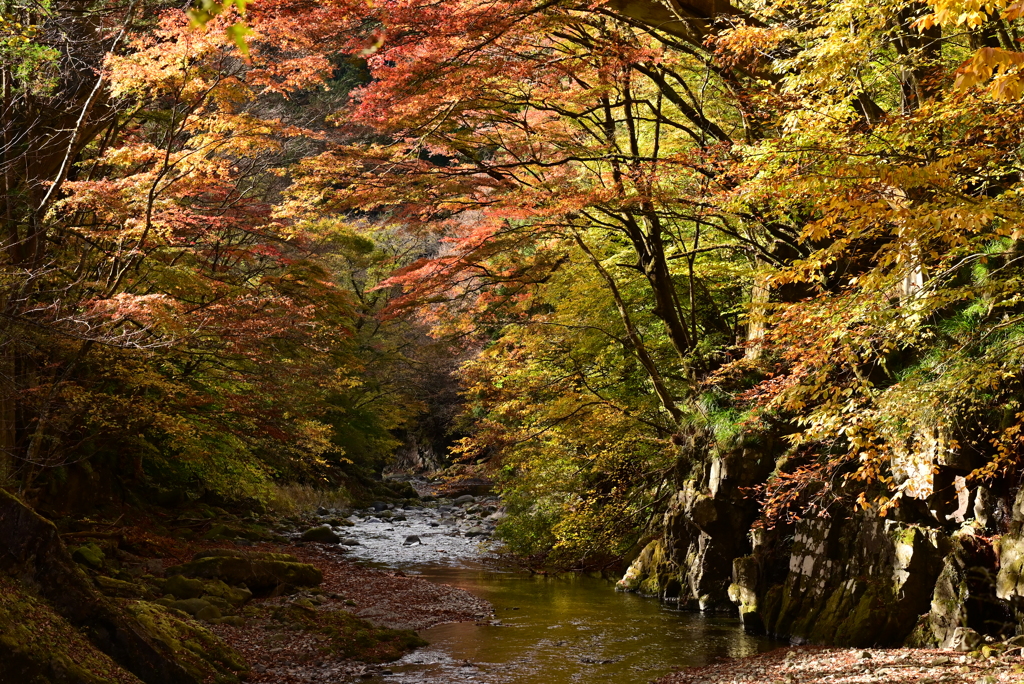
565 630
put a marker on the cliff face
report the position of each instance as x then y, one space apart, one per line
946 569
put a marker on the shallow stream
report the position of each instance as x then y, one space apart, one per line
547 630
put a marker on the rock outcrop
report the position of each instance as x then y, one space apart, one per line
949 563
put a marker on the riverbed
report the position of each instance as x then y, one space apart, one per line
551 630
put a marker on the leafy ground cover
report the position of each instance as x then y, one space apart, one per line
813 665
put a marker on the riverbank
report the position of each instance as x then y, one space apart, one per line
298 651
817 665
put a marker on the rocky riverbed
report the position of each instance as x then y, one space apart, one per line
282 649
447 531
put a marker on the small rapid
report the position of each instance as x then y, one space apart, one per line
569 629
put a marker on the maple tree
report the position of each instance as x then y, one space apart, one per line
647 234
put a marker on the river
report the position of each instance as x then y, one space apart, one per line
547 630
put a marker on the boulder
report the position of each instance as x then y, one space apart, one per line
190 606
465 499
411 539
259 572
201 654
90 555
183 588
322 534
234 596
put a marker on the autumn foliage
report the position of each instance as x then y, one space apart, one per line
640 235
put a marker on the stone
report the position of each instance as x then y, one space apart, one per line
201 654
378 506
34 551
122 589
411 539
183 587
190 606
234 596
476 531
259 572
465 499
304 604
90 555
218 532
35 640
322 534
208 614
965 639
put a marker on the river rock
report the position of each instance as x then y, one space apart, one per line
412 539
476 531
323 534
464 499
378 506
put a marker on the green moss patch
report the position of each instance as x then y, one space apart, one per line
198 650
37 646
347 636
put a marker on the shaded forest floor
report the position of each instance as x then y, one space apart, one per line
350 625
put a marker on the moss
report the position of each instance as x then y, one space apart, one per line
198 650
37 646
257 571
351 637
89 554
122 589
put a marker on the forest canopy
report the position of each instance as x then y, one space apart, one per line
591 247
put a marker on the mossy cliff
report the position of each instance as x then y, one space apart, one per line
945 569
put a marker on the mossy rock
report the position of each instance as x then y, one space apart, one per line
219 532
38 646
122 589
89 554
196 649
350 636
259 572
183 588
235 596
